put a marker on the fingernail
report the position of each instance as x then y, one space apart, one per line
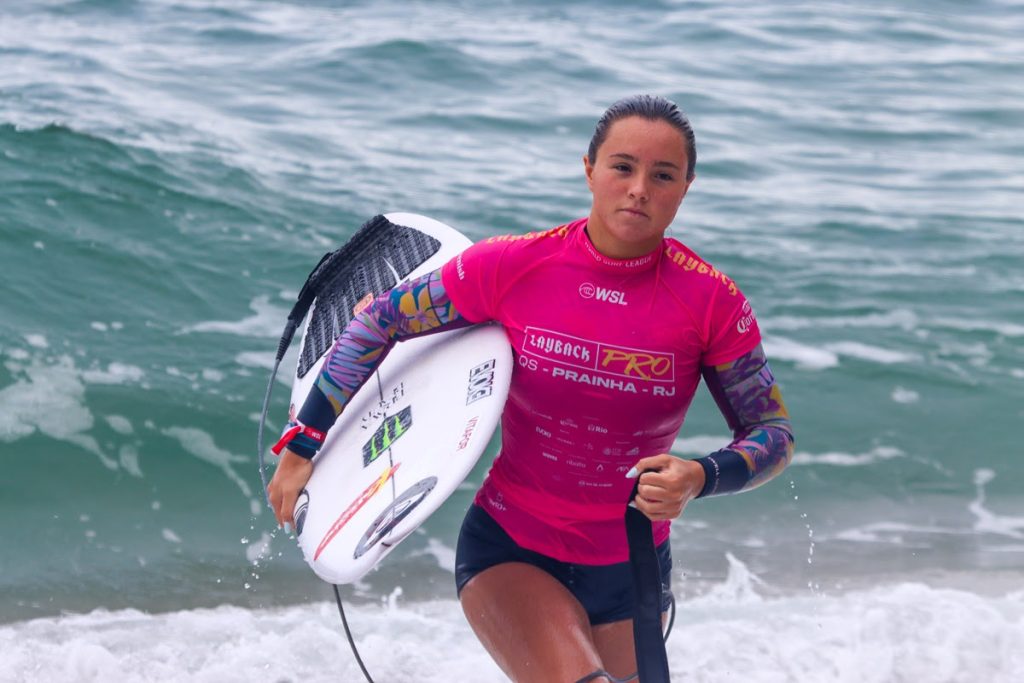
287 528
632 474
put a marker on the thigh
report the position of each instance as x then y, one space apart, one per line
531 624
612 616
614 643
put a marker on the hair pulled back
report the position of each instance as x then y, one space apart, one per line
652 108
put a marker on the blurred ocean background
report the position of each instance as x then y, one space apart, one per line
170 170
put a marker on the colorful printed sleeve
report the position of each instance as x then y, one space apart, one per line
414 308
746 393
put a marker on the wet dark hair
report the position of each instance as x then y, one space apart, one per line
652 108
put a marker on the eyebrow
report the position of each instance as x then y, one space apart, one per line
630 157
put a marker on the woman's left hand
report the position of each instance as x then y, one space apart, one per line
672 483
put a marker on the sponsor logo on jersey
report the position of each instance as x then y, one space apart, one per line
747 321
611 359
612 296
690 262
354 507
393 427
481 382
459 267
648 365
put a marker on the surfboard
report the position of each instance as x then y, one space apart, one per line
416 428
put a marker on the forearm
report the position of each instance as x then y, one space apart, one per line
411 309
762 445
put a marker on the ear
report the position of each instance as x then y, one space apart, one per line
588 171
687 188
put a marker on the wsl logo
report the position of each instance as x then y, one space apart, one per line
612 296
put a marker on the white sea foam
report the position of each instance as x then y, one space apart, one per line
894 533
444 554
120 424
806 357
17 354
900 318
265 361
874 354
893 632
904 395
268 321
211 375
128 458
848 459
1006 329
256 359
987 521
201 444
45 390
824 356
116 373
37 341
258 549
699 445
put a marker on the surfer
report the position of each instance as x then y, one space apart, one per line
613 325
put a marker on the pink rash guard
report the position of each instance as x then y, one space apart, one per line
608 357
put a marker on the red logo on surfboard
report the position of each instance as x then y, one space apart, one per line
355 506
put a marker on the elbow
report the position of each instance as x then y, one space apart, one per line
785 443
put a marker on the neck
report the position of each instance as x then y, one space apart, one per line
615 249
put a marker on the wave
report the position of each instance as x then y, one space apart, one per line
898 631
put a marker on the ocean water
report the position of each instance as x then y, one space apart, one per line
170 170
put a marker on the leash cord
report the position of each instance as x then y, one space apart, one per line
348 634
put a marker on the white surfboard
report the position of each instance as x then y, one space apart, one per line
409 436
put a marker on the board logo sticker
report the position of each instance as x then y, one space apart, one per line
393 514
481 382
393 427
353 508
467 433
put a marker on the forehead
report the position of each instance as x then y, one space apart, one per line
645 138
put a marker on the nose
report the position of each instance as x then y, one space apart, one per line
638 189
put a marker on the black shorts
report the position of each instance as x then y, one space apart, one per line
605 591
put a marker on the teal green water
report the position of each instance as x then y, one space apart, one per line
171 170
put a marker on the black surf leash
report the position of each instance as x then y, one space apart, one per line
305 299
648 641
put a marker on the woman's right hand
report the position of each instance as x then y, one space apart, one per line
293 471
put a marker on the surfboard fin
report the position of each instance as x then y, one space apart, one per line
377 258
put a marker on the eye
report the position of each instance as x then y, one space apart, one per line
667 177
622 168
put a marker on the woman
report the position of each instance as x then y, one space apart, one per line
612 325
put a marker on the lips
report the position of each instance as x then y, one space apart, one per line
634 212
